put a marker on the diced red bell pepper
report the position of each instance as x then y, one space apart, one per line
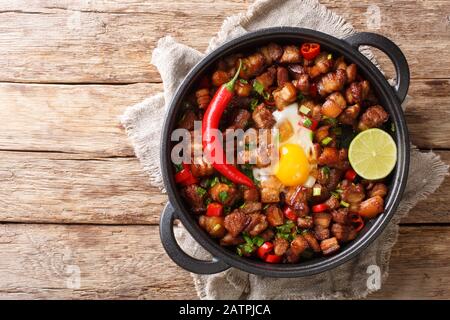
265 249
290 214
273 258
350 174
214 209
185 176
314 125
320 208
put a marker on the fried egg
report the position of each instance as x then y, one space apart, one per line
296 156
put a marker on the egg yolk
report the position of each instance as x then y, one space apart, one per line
293 167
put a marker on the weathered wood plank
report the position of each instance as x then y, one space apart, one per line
112 41
61 188
128 262
83 119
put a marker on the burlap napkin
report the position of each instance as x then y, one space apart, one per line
143 124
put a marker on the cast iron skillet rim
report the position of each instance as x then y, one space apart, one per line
399 179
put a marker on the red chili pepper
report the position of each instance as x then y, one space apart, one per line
273 258
290 214
310 50
185 176
314 125
313 89
214 209
320 207
210 123
265 249
357 221
350 174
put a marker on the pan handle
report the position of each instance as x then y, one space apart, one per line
177 254
392 51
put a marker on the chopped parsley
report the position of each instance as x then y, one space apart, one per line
258 87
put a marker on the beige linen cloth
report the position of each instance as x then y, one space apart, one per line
143 124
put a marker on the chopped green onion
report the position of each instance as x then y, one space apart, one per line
344 204
178 167
266 206
307 123
243 81
226 181
253 104
259 241
330 121
213 182
317 191
242 206
325 170
300 96
258 87
326 141
247 238
227 209
311 135
208 201
266 95
305 110
393 127
216 227
339 190
330 56
200 191
335 194
223 196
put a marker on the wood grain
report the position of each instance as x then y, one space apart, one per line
112 42
128 262
84 119
62 188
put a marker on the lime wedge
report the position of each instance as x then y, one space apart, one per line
373 154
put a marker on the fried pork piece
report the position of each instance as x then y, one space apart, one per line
379 189
312 241
220 77
353 193
267 78
321 233
267 234
242 89
331 82
340 215
201 168
250 194
223 193
351 71
272 53
252 65
229 240
373 117
239 119
329 246
329 156
263 117
282 76
343 233
357 92
303 84
274 216
258 223
349 115
187 120
322 219
280 246
250 206
321 65
296 198
291 54
305 222
213 225
332 203
334 105
194 197
270 190
236 222
298 245
285 95
203 98
321 133
371 207
296 70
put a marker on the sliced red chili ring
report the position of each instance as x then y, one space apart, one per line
310 50
265 249
273 258
320 208
350 174
290 214
214 209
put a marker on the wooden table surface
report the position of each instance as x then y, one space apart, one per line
73 197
